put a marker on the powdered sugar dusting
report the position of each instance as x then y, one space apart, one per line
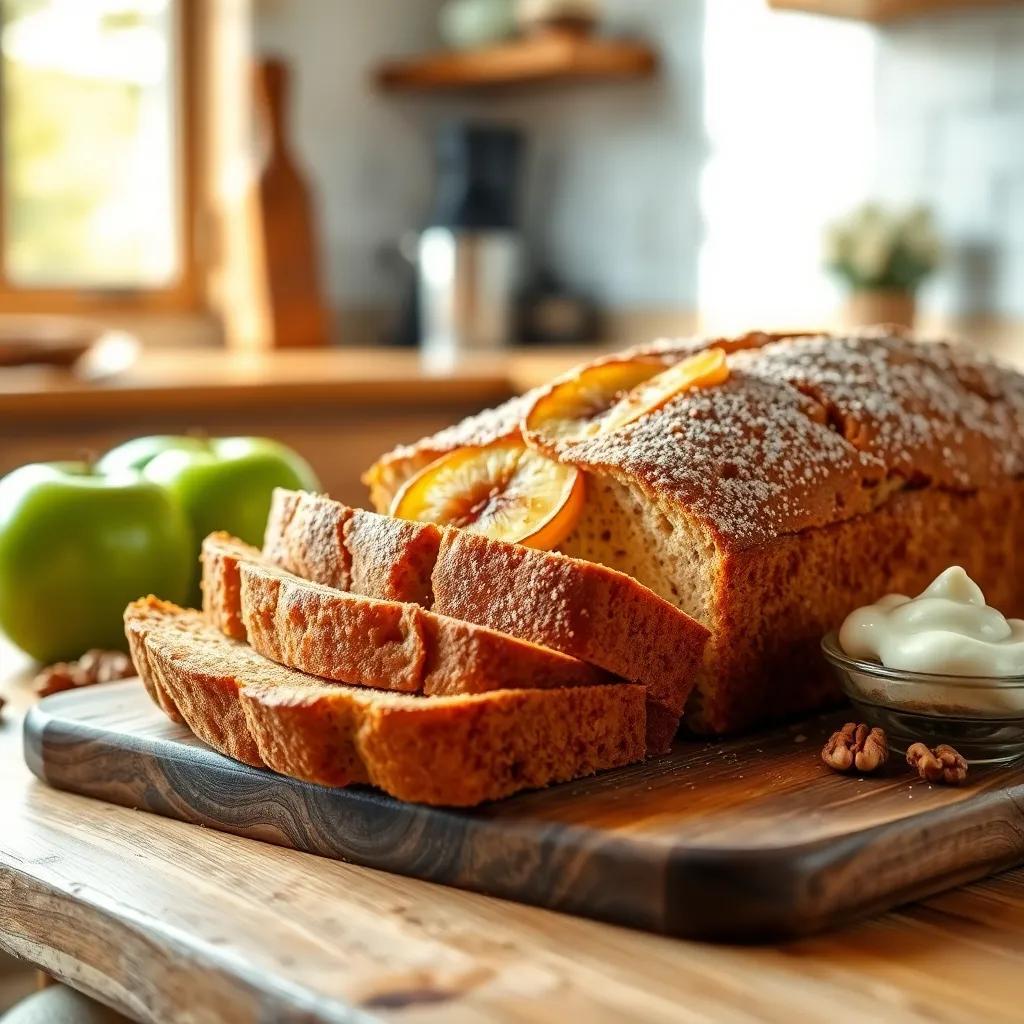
808 430
813 430
480 429
747 457
503 420
929 413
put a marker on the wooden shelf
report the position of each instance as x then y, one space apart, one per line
882 10
551 57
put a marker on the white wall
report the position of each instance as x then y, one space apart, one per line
950 106
369 158
707 186
809 115
789 111
614 169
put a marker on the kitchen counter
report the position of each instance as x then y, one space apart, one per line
183 380
341 408
167 921
176 380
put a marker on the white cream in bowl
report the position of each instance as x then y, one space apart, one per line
946 630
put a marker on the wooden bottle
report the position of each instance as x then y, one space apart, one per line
296 310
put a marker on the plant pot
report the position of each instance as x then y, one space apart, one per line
867 306
570 17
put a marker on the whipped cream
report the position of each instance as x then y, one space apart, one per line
947 630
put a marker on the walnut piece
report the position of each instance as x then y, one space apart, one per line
856 748
94 666
943 764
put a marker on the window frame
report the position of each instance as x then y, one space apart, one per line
185 294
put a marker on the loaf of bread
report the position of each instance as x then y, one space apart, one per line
352 639
456 751
824 472
587 611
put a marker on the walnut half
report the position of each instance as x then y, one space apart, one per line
93 667
856 748
943 764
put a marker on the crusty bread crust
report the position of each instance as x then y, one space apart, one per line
305 538
776 670
455 751
583 610
392 559
354 639
824 473
220 582
349 549
211 710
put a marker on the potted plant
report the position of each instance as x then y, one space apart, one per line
883 256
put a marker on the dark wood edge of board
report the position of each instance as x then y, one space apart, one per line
718 893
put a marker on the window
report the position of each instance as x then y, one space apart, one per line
97 160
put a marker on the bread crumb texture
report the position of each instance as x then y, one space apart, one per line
365 641
584 610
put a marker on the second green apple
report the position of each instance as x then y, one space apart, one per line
222 483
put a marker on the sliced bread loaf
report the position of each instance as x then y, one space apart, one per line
824 472
455 751
582 609
354 639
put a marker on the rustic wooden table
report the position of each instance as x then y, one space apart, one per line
167 921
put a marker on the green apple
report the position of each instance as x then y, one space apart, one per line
138 453
222 483
76 545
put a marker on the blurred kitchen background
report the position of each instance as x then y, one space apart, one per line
347 223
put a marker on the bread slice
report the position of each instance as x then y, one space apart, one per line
354 639
210 708
582 609
455 751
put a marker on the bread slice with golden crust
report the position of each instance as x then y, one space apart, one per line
454 751
197 692
584 610
354 639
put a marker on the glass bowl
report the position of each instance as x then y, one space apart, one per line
982 717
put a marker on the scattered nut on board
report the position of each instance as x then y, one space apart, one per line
92 667
943 764
856 748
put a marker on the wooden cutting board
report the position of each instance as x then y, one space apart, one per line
745 839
